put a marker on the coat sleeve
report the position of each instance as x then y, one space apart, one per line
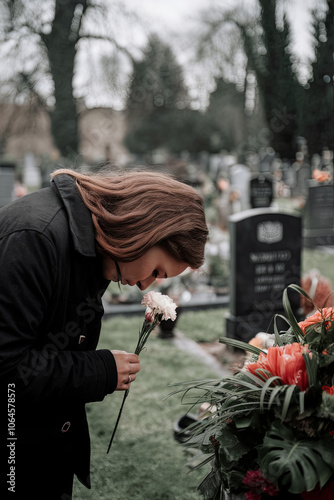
28 269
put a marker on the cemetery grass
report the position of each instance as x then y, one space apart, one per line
203 326
145 462
321 258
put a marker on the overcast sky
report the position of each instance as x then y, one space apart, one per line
170 16
172 20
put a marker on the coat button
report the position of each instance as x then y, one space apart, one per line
66 426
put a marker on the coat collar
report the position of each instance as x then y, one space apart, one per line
79 216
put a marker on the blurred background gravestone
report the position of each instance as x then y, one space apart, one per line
301 174
31 174
7 177
261 191
318 220
240 178
265 255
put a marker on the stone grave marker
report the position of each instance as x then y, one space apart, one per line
261 191
7 177
265 253
240 183
303 177
318 219
31 173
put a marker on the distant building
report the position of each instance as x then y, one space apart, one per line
101 132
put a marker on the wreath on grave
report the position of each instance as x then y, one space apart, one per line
268 429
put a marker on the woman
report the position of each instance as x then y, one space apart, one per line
59 249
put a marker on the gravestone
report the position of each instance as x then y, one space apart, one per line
265 253
318 219
31 173
239 183
301 174
261 191
7 177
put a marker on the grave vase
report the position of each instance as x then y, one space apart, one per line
166 327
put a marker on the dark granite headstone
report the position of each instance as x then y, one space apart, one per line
261 191
265 258
318 220
7 177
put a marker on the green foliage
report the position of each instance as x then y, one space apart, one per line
233 449
240 345
159 112
261 423
157 96
211 485
157 82
295 464
284 338
326 409
289 313
174 129
225 101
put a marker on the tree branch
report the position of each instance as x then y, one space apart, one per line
111 40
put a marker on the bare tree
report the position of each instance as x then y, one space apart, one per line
258 41
40 42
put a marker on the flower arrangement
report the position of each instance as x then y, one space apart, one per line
158 307
321 175
269 428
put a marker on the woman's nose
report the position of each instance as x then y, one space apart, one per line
146 282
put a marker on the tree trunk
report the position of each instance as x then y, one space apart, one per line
277 83
61 46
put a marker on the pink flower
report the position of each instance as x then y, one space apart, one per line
258 485
326 493
149 317
250 495
286 362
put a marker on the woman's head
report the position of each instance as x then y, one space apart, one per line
134 211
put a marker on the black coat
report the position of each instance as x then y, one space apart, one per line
51 286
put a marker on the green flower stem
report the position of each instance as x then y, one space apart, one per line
144 334
118 419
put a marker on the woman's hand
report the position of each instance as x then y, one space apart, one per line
127 366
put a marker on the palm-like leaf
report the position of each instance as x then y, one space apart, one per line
238 344
293 464
288 310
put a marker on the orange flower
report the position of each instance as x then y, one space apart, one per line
286 362
318 317
329 390
321 175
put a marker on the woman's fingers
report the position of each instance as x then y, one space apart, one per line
128 365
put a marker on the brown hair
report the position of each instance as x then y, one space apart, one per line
134 210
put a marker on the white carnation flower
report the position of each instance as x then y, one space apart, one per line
156 303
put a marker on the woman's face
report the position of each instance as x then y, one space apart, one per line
155 263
